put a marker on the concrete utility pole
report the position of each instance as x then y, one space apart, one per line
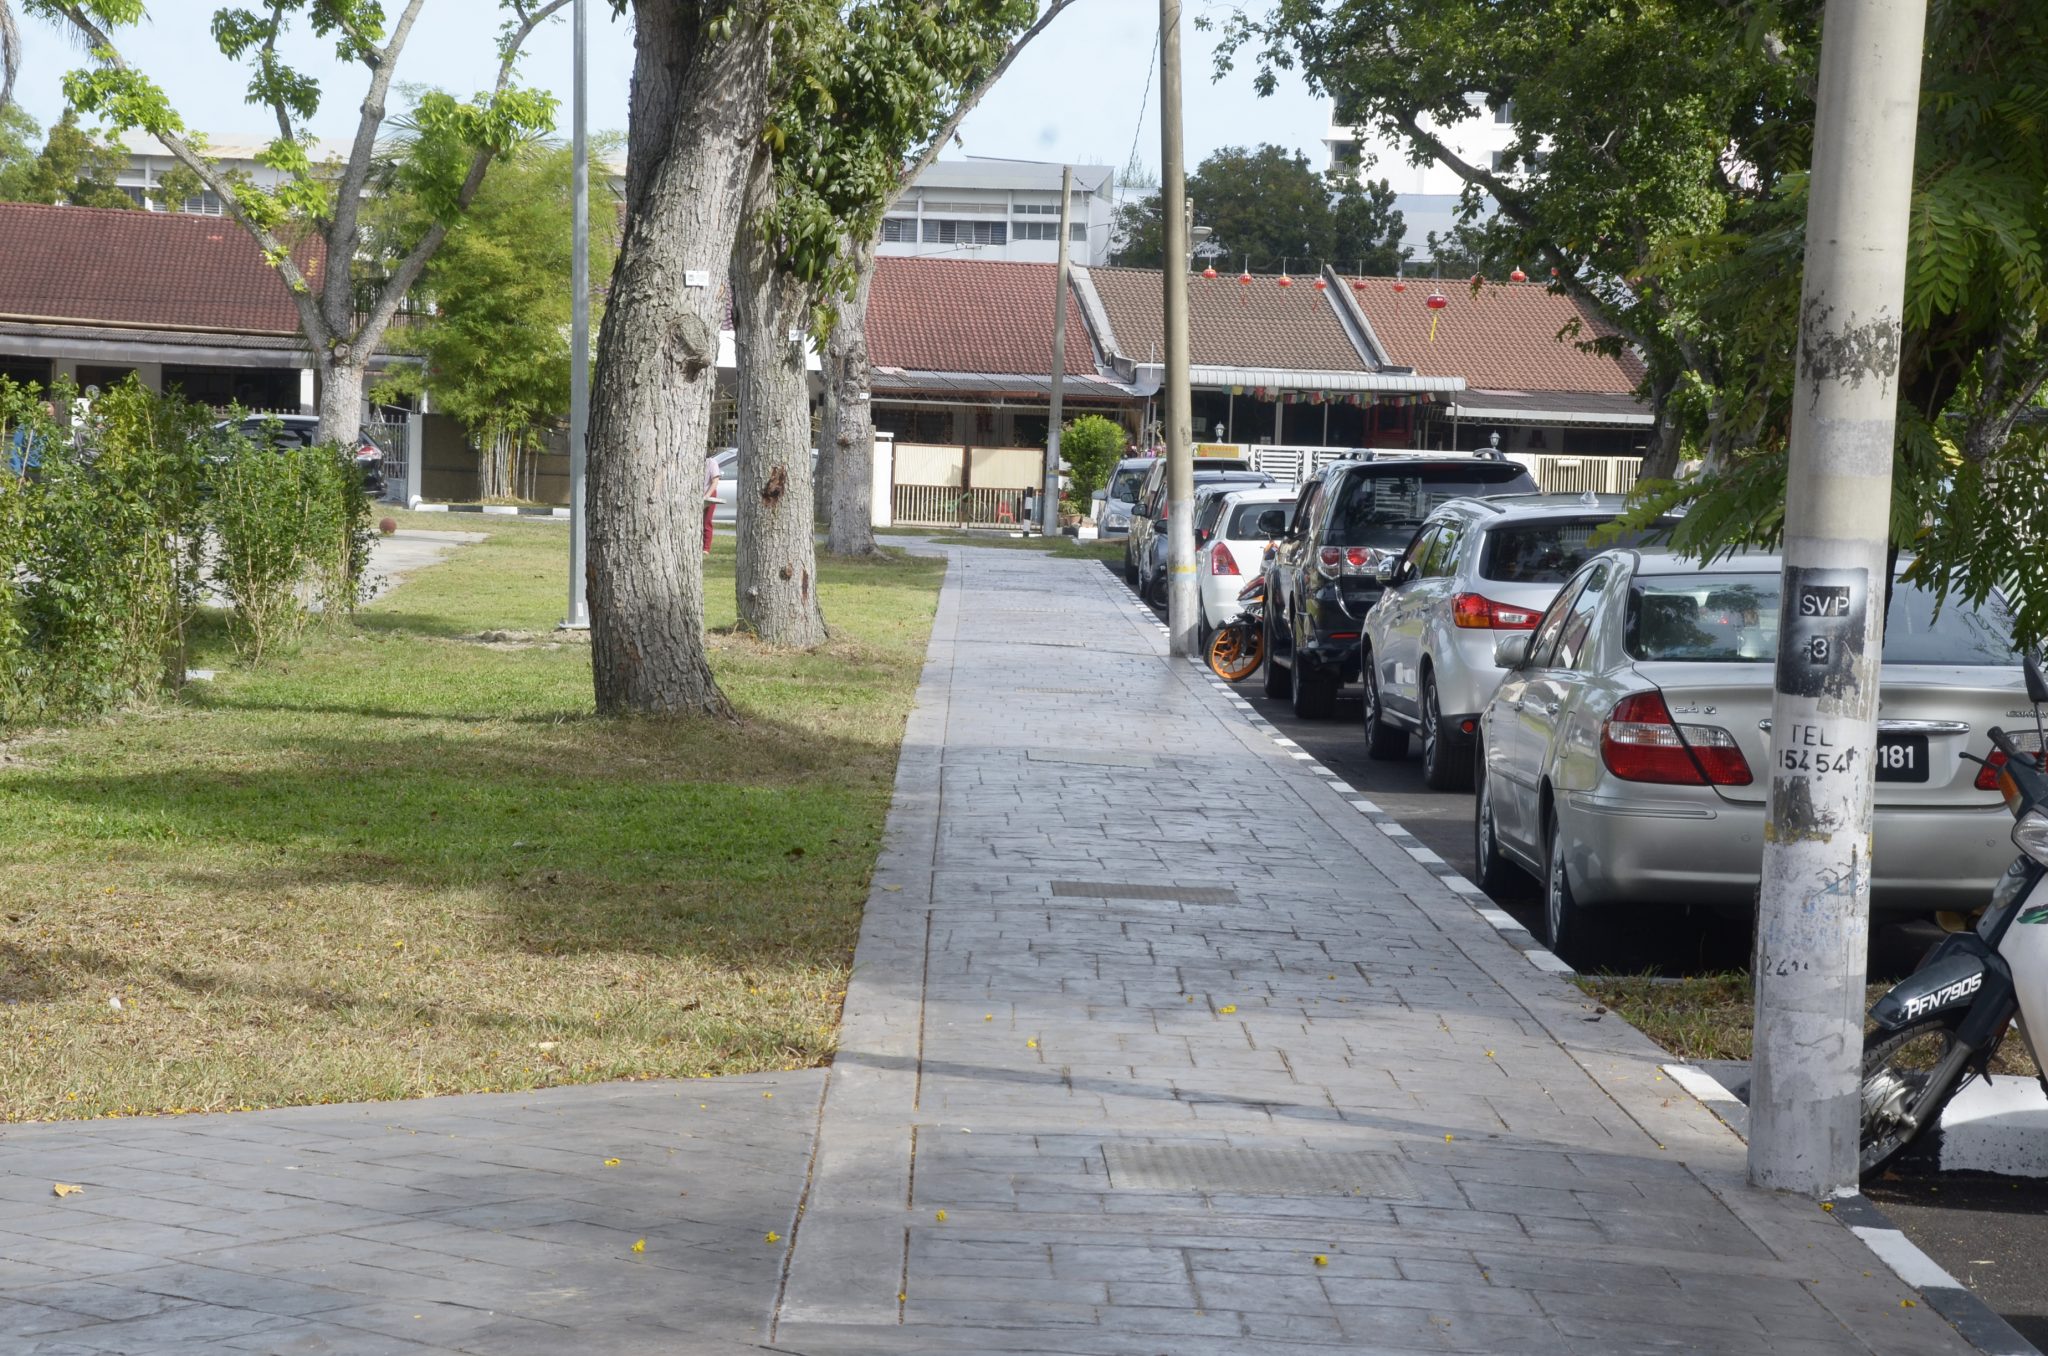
1181 598
579 330
1814 910
1049 502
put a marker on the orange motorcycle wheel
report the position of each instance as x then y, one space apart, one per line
1235 652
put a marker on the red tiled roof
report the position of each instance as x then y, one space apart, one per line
970 315
136 268
1230 324
1504 339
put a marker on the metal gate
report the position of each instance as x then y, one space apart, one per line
396 440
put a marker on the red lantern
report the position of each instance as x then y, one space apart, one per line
1210 273
1476 280
1322 286
1553 273
1518 276
1437 301
1358 284
1244 279
1286 281
1400 286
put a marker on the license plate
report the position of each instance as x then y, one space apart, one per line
1902 757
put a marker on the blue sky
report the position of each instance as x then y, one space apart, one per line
1074 95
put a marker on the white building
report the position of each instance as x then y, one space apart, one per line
149 161
1426 195
984 208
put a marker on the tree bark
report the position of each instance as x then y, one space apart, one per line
341 400
698 105
776 560
848 432
1661 457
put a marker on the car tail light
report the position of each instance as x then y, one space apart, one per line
1641 743
1475 611
1988 778
1221 561
1342 560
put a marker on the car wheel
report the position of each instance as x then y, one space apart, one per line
1315 690
1496 875
1387 743
1442 767
1276 681
1566 922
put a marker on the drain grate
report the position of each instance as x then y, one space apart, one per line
1109 889
1255 1172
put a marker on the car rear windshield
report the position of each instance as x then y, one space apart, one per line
1733 618
1244 522
1384 507
1550 550
1126 483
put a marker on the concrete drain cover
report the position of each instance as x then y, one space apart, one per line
1209 1168
1070 691
1107 889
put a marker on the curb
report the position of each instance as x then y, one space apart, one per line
1977 1322
494 510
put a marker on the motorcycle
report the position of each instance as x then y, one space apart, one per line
1940 1026
1238 646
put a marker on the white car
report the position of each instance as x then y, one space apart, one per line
1235 528
726 509
1476 567
1113 518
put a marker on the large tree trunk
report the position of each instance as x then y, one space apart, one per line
847 435
699 102
341 401
1661 457
776 561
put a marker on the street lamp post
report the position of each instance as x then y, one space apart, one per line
579 330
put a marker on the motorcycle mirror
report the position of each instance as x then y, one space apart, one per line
2037 682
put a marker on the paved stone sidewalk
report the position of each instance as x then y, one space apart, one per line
1155 1043
487 1224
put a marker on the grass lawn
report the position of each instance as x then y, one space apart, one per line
1711 1016
407 861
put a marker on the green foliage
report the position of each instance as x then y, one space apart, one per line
73 167
284 524
1269 210
108 524
862 89
497 345
1091 446
107 567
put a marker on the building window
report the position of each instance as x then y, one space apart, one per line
203 204
966 232
899 230
1042 209
1345 155
1077 231
1037 230
1505 113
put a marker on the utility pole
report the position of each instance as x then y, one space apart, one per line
1049 501
1181 597
579 331
1813 919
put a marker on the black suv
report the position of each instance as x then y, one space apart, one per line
1320 582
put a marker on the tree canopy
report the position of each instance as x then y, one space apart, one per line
73 167
1268 209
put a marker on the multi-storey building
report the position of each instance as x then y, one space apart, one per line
1426 195
981 208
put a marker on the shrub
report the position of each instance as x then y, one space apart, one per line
1091 446
284 525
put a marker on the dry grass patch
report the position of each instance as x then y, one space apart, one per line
406 861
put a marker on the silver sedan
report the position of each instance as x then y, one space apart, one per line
1624 758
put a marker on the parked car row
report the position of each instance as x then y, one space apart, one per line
1607 701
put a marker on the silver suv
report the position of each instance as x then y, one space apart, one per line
1476 568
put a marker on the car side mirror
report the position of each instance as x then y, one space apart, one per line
1388 572
1272 523
1100 496
2037 682
1511 652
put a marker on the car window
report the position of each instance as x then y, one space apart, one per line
1124 485
1417 554
1543 645
1443 553
1548 550
1733 619
1578 627
1382 506
1305 511
1244 519
1211 509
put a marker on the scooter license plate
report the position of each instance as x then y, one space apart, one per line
1902 757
